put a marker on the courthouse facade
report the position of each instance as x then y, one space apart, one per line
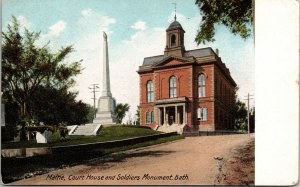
193 88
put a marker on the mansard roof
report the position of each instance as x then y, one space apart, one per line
191 53
153 59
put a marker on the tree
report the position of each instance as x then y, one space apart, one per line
11 120
237 15
137 114
240 116
53 106
120 111
26 67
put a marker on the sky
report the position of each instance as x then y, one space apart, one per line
136 29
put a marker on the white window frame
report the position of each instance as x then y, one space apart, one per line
172 87
150 91
201 115
201 85
148 118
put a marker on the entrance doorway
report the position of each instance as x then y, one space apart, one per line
161 113
180 113
171 115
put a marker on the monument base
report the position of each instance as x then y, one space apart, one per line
105 114
104 118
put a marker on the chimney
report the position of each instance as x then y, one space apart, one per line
217 51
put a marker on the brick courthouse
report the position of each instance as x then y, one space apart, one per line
180 87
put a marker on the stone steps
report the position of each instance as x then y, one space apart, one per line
87 129
171 128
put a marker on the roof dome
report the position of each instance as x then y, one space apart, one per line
175 25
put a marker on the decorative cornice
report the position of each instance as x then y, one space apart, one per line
171 100
157 65
182 59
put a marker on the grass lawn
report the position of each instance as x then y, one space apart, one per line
105 134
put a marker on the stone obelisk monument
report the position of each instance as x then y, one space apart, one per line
106 103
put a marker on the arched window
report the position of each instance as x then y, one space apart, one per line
173 40
150 91
201 85
172 87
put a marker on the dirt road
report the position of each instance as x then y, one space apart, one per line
193 160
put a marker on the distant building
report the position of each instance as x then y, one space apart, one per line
180 87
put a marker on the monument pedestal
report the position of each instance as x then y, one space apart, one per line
105 118
105 114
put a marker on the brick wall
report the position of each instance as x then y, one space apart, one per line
224 101
183 80
144 105
219 93
207 101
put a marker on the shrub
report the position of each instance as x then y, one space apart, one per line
56 136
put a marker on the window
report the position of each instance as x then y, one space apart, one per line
222 92
229 96
202 114
148 118
201 85
150 91
172 87
218 115
173 40
152 117
225 94
217 88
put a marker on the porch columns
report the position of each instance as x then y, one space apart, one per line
184 115
165 116
157 116
176 115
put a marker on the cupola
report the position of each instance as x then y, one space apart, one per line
175 39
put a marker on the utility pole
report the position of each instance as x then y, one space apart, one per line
93 88
248 111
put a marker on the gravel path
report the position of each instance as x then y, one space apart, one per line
193 160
